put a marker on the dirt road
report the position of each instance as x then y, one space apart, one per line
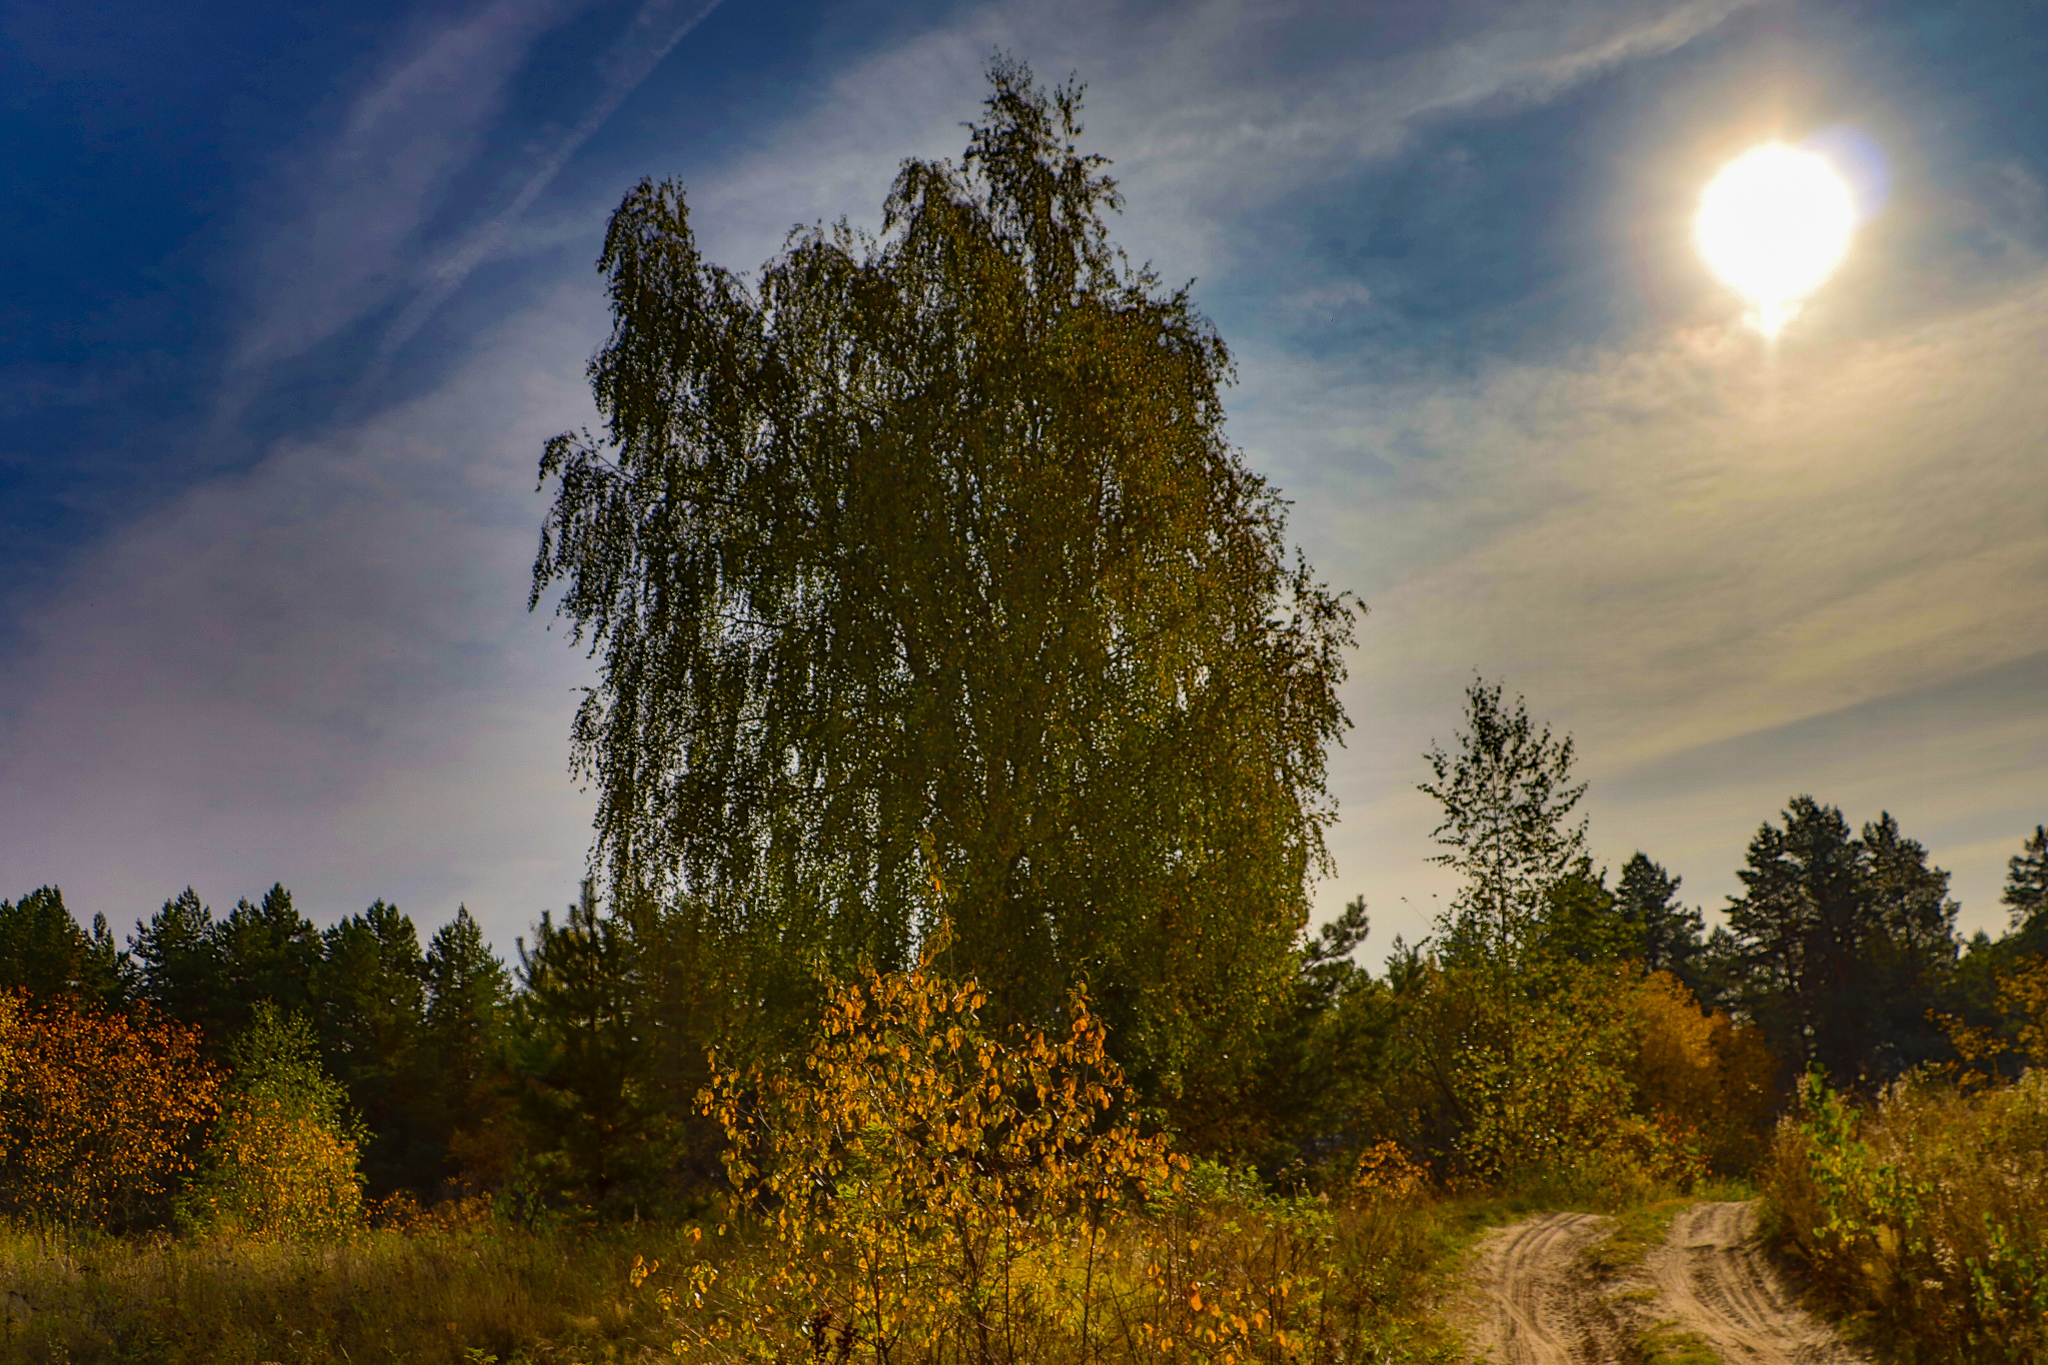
1536 1301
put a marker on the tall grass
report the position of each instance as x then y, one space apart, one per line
1350 1281
1925 1218
425 1298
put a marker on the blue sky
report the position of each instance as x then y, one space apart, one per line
295 293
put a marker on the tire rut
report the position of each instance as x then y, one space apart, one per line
1712 1278
1538 1305
1534 1299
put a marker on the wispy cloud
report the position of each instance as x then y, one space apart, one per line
358 242
355 201
653 34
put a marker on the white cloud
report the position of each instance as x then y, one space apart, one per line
1677 547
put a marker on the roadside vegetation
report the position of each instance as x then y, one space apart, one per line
945 991
1924 1216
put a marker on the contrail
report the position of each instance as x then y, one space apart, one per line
653 33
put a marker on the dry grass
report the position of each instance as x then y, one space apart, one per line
1925 1220
1361 1274
422 1298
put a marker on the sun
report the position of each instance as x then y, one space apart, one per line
1773 225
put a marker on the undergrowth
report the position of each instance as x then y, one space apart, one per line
1923 1220
1364 1272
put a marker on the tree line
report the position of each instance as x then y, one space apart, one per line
573 1074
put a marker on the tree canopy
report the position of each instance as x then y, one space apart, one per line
1507 796
1840 945
925 588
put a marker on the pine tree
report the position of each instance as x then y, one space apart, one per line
181 968
1913 950
1842 945
1670 934
469 996
268 952
369 996
2026 881
583 1057
44 952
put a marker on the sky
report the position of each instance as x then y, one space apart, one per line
294 294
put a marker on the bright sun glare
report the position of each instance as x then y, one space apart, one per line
1774 224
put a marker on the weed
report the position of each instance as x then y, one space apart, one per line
1667 1344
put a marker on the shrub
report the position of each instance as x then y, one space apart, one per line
919 1180
283 1162
1701 1073
926 1191
1925 1217
99 1112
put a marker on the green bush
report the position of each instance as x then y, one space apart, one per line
1925 1218
284 1158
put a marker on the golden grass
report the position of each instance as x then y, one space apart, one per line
474 1295
422 1298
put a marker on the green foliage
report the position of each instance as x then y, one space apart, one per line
44 952
1841 947
283 1162
1925 1216
1507 797
924 564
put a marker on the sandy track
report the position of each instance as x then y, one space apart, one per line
1535 1301
1712 1278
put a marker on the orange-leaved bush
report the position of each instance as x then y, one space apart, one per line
1701 1073
926 1189
99 1111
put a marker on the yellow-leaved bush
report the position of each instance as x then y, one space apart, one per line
1701 1075
921 1189
925 1189
283 1162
